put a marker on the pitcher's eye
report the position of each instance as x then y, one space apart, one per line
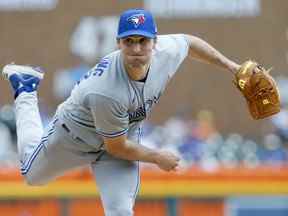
143 40
128 41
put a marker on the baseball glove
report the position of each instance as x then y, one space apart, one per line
259 89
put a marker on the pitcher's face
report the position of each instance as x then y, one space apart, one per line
136 50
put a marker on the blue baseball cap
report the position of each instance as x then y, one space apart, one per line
136 22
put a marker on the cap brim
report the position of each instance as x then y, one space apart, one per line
136 32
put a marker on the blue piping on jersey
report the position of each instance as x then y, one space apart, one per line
73 118
112 134
98 132
138 166
138 180
81 123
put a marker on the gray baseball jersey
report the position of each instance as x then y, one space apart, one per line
106 103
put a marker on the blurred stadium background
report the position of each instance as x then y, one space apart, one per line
232 165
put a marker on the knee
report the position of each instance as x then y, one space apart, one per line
118 211
34 180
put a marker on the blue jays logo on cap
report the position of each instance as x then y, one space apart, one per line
136 19
136 22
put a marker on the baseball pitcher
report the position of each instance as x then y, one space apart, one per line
100 123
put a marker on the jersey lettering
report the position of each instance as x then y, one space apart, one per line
138 115
100 67
97 70
141 112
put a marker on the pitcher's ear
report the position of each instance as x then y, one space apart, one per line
155 42
118 43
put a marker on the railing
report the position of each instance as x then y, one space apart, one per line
166 189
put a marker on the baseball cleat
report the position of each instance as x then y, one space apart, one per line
22 78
